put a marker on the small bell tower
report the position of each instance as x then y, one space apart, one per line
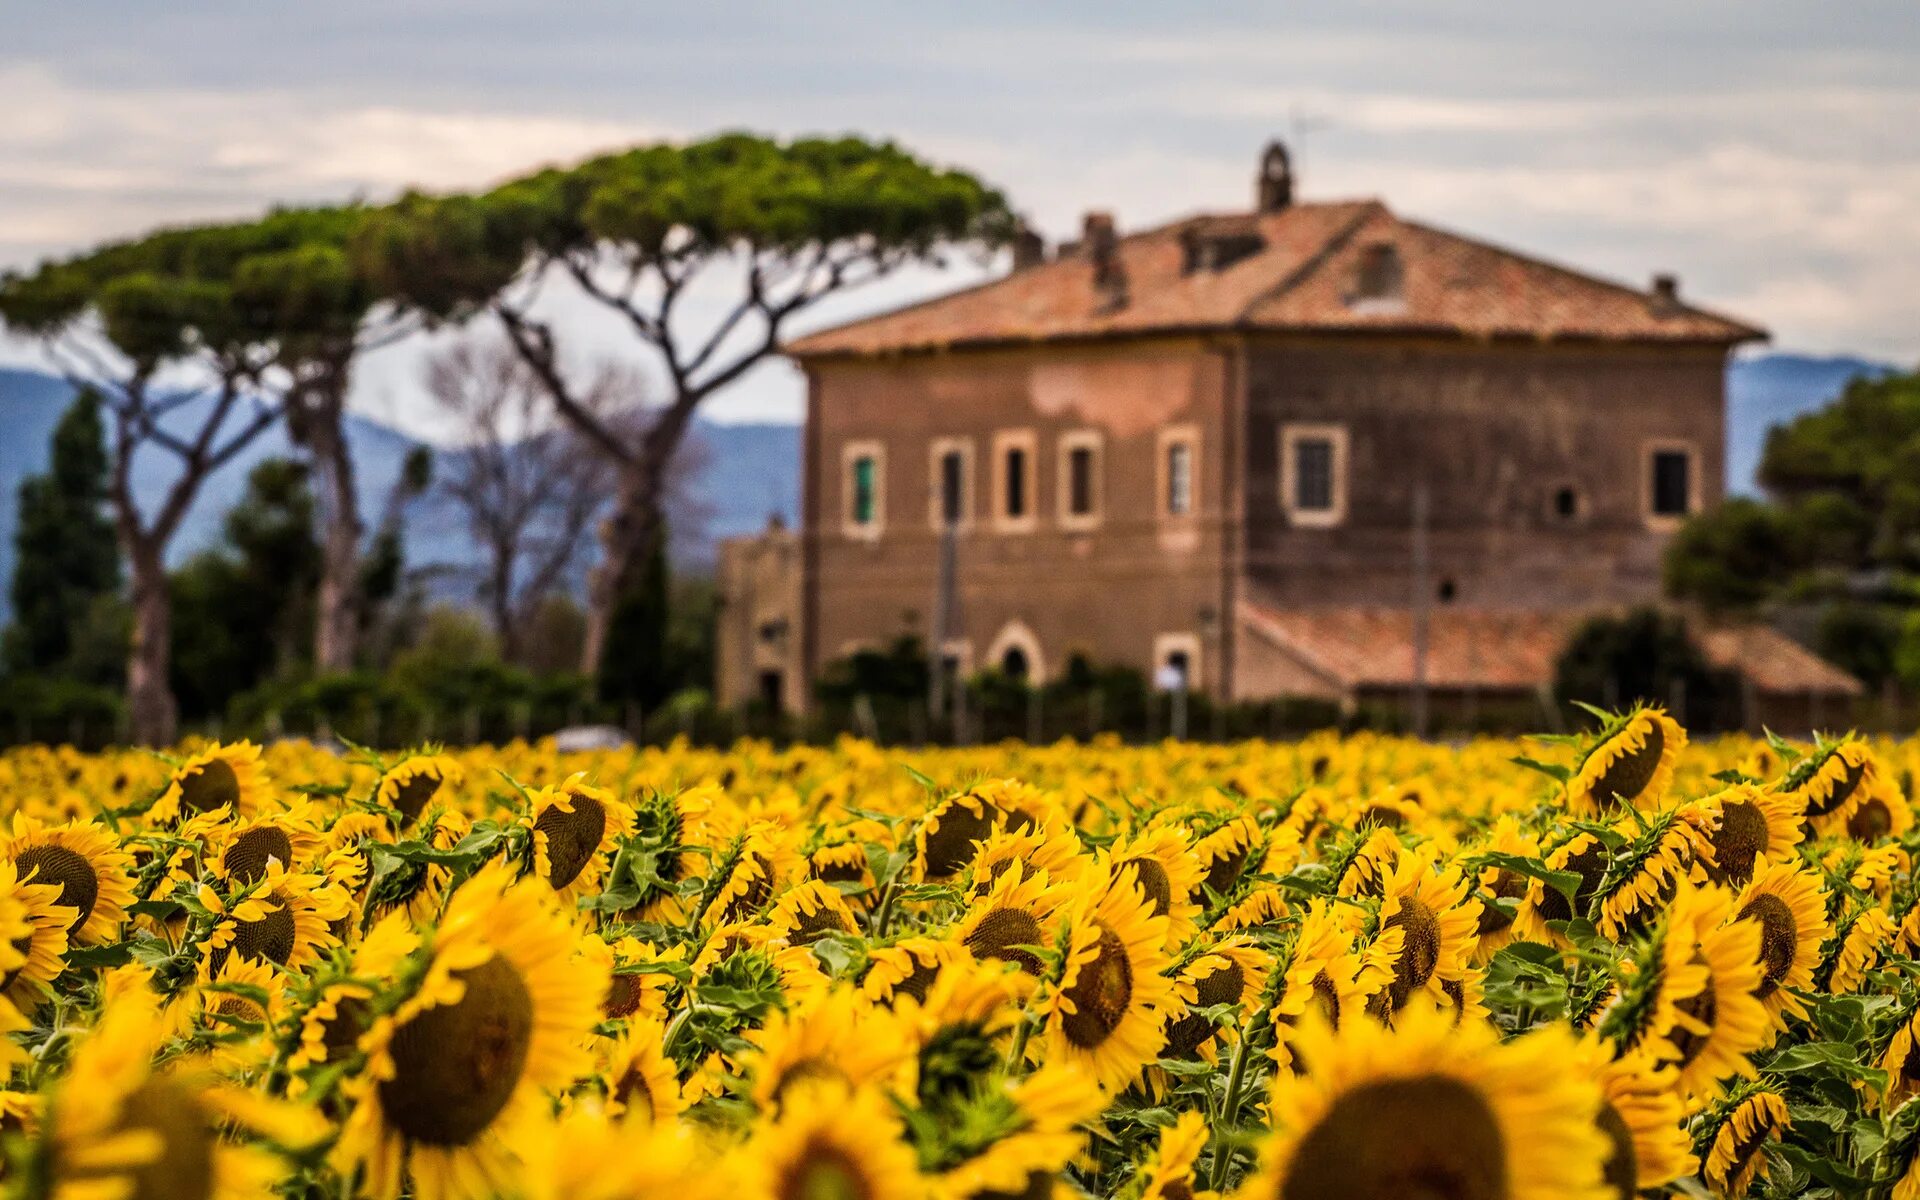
1274 185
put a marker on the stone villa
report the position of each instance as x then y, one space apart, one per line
1245 448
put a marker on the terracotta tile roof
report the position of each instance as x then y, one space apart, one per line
1492 650
1300 275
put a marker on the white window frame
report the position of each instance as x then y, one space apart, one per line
969 503
1291 435
1093 441
1165 645
850 454
1667 522
1027 441
1163 472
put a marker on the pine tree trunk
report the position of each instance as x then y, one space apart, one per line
337 617
626 540
151 709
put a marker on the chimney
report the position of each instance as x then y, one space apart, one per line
1273 189
1029 248
1103 250
1665 300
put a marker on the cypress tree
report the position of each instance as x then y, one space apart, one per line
65 554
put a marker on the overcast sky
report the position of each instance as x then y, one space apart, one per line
1768 152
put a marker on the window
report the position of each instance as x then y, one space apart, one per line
1566 503
1016 481
1080 482
1013 483
1672 491
1176 662
950 490
1013 663
1016 653
1313 474
1179 479
864 498
863 488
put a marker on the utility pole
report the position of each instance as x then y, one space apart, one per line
943 606
1422 614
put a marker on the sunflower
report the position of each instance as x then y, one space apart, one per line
94 875
1832 782
833 1141
1630 762
37 925
641 1081
908 968
575 827
1325 975
239 850
835 1035
633 991
594 1155
949 836
1440 925
280 918
1654 974
841 863
457 1071
1714 1029
1582 855
1739 1134
1232 971
407 787
1749 824
1162 861
1496 927
1882 813
1223 855
1049 846
1363 871
1011 921
1105 1010
222 776
960 1030
748 875
117 1126
1024 1133
1647 870
1862 944
1170 1174
1430 1108
1789 906
811 911
1901 1060
333 1018
1641 1114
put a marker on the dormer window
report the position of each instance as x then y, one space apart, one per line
1379 281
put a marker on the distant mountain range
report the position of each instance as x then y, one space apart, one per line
745 472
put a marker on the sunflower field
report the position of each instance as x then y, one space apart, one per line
1612 964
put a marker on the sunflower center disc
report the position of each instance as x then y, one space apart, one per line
1742 836
1039 1186
950 844
209 786
1001 934
341 1032
456 1066
1153 881
623 997
1871 821
1421 953
1329 997
1402 1139
1100 993
1629 774
1590 865
271 937
413 796
79 886
757 892
1779 943
1702 1008
1223 870
246 859
184 1168
1186 1035
572 837
813 926
1623 1168
824 1172
633 1093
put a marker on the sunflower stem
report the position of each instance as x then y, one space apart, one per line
884 916
1017 1056
1229 1113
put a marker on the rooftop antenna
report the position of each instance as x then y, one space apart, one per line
1301 122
